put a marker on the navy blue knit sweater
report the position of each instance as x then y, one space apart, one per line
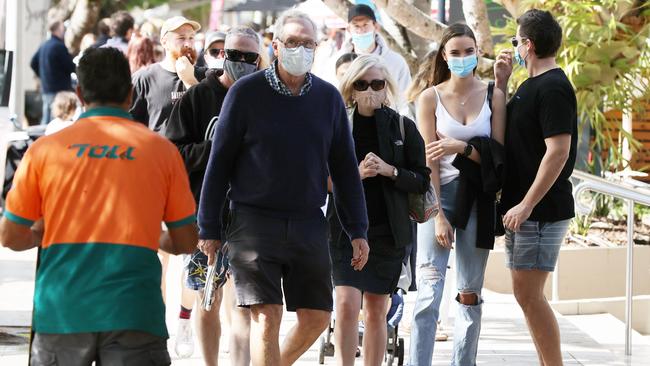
275 152
53 65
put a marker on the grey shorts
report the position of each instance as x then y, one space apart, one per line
271 256
536 245
116 348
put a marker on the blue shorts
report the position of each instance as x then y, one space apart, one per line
536 245
196 265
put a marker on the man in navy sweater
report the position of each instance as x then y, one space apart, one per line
53 65
281 132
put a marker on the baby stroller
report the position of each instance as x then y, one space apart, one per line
395 344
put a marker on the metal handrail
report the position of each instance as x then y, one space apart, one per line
632 194
619 189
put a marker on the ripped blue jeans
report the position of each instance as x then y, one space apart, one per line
432 261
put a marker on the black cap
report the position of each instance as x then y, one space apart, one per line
361 10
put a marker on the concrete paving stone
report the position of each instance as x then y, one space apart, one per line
586 340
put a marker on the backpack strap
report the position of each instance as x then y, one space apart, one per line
490 92
401 126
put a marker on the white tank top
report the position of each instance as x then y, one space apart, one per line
450 127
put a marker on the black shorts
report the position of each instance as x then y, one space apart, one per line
270 255
381 273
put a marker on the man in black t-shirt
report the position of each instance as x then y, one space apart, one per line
537 200
191 127
156 89
158 86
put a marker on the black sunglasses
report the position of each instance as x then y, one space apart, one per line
214 52
515 42
247 57
362 85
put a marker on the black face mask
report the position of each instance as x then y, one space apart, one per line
238 69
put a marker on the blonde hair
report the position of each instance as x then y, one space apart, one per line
64 105
357 69
424 78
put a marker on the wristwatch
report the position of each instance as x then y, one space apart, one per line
468 150
395 172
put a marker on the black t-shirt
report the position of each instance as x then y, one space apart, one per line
364 132
542 107
155 90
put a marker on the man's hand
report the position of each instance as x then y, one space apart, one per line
503 69
185 71
209 248
516 216
360 253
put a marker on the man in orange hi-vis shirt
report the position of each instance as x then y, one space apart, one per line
102 188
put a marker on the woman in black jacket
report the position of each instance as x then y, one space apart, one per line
391 167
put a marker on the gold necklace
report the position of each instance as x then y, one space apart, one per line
466 99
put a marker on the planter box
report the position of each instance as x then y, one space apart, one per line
584 273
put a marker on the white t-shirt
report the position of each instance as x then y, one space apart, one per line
57 125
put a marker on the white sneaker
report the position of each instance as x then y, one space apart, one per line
184 339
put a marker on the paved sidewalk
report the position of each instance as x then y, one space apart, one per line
586 340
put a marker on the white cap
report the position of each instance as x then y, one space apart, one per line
176 22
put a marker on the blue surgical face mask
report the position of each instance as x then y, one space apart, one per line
363 42
518 59
462 66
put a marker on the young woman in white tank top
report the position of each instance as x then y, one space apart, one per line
450 113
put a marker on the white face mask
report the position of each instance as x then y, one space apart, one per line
297 61
214 63
370 98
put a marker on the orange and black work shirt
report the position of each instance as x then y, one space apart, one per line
103 186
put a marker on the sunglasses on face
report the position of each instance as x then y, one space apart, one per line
247 57
293 43
515 41
362 85
214 52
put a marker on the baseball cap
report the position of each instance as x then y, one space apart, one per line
361 10
214 37
176 22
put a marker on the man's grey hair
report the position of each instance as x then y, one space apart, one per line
288 16
241 31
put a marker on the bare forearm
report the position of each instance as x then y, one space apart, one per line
179 241
18 237
435 181
549 169
502 84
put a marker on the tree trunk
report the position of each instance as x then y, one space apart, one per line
418 44
83 19
413 18
476 17
514 7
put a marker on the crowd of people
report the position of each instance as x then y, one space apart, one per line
296 185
